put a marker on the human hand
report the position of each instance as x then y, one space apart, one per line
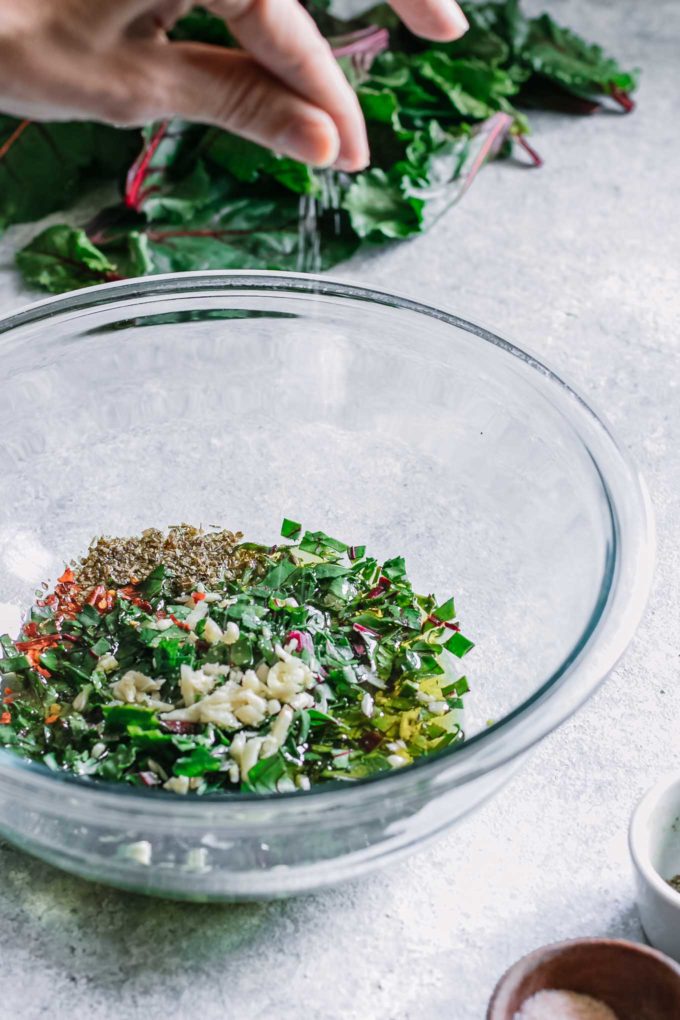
112 61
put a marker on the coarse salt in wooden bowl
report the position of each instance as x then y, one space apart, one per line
635 981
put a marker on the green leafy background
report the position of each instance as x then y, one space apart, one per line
194 197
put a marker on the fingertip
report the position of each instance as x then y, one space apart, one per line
352 164
355 156
450 24
459 23
354 151
311 137
457 27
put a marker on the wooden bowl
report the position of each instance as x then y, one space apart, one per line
636 982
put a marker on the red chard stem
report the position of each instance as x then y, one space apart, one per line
535 158
138 171
622 98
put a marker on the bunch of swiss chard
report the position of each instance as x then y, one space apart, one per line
326 665
195 197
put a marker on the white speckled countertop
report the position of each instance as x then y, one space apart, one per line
580 262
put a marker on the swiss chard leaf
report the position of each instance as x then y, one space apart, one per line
188 201
166 155
44 167
564 57
61 258
473 88
379 208
165 249
500 23
249 162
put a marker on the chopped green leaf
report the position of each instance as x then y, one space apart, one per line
171 654
14 664
119 717
278 575
199 761
265 774
395 569
458 645
290 529
320 544
446 612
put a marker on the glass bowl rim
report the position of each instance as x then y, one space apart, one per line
642 526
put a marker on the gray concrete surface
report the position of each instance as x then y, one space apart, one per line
580 263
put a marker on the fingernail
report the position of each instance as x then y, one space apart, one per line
351 165
311 139
461 22
356 156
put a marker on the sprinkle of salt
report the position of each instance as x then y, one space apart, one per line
554 1005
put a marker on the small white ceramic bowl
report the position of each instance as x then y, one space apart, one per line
654 840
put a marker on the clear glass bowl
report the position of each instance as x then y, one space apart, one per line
238 398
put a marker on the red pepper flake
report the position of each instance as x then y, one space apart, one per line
5 718
198 596
38 644
65 599
179 623
132 595
34 647
101 599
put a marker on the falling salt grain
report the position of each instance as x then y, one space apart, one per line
552 1005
